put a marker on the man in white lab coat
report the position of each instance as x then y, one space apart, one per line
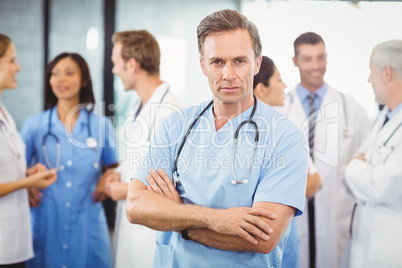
375 174
136 60
333 125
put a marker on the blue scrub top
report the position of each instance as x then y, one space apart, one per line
69 228
205 167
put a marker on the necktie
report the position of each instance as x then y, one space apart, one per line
311 118
311 208
386 120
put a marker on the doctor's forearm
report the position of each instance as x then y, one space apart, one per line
229 242
7 188
159 213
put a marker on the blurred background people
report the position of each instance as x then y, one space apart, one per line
136 60
374 175
69 226
268 87
15 223
335 125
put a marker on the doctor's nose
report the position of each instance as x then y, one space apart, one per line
228 72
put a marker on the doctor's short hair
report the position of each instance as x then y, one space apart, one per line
5 43
142 46
266 71
86 91
225 21
309 38
389 53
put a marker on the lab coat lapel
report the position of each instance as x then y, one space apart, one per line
327 129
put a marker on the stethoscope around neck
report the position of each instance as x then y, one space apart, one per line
382 147
90 141
235 180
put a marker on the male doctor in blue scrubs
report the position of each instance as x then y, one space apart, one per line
234 200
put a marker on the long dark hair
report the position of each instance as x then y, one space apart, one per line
266 71
86 92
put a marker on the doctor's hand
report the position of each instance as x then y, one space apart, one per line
359 157
41 179
100 194
159 182
245 222
34 196
314 184
116 190
38 167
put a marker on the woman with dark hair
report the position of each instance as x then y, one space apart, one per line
69 224
268 87
15 179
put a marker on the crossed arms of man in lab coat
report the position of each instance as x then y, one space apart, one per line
255 229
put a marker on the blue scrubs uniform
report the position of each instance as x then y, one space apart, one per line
205 167
291 253
69 228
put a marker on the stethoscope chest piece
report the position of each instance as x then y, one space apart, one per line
347 132
91 142
381 149
239 182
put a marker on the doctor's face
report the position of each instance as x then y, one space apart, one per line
9 69
312 63
229 63
375 81
65 80
120 67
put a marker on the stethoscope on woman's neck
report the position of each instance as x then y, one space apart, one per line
90 141
256 138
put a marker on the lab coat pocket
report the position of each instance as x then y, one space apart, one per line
386 246
163 255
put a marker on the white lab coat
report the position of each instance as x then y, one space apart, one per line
377 185
133 244
334 202
15 221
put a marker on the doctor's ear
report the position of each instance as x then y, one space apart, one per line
132 64
202 65
294 61
387 73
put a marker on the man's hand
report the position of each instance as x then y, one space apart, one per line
35 197
359 157
244 222
313 184
100 194
159 182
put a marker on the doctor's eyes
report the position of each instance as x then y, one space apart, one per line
67 73
222 63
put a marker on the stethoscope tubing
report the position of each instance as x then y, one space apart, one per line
49 133
249 121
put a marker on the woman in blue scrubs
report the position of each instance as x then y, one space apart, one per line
69 226
269 87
